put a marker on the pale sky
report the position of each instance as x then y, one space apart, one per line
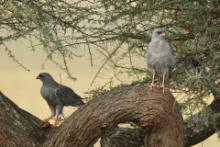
23 88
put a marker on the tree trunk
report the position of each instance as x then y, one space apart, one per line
155 113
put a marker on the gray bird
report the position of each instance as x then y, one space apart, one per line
57 96
160 59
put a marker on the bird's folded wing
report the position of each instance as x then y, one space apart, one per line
68 96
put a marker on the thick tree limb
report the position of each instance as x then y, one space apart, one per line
18 127
152 111
197 128
21 126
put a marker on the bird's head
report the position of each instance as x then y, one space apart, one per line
45 77
159 33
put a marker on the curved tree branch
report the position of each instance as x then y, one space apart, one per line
20 126
156 114
198 127
17 126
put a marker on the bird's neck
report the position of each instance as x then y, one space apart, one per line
51 83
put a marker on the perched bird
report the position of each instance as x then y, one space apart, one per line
57 96
160 59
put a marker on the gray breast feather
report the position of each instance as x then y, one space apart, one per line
48 93
159 55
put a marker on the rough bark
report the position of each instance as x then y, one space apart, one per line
197 128
155 114
18 127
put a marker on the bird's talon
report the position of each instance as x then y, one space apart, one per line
152 86
164 88
46 124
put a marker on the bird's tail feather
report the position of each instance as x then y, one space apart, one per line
80 103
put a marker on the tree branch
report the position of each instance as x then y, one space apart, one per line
18 127
198 127
153 112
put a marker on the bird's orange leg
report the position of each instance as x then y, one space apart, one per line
163 83
152 82
47 119
46 123
56 121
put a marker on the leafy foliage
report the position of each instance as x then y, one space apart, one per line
118 31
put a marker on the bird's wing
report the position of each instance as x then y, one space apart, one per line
68 96
171 59
172 48
150 56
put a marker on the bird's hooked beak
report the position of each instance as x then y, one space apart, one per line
38 77
162 34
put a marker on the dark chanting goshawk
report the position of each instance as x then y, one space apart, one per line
57 96
160 59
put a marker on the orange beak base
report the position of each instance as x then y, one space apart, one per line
38 77
163 34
